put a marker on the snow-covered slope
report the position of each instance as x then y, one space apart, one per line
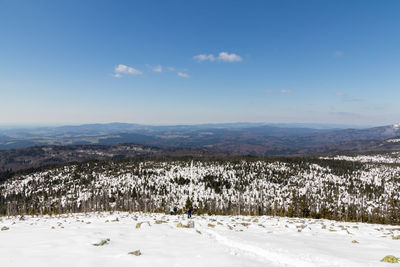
392 157
338 189
67 240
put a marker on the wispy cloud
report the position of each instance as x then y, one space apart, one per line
204 57
124 69
182 74
222 56
157 68
346 115
345 97
355 99
282 91
338 53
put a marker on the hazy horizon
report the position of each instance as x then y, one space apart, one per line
276 124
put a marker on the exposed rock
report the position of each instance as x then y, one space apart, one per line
102 242
390 259
190 224
136 252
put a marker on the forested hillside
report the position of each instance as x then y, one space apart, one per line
302 187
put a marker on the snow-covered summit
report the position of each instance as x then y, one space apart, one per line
110 239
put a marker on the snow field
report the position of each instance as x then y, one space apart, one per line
67 240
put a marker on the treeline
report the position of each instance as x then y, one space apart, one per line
299 207
294 187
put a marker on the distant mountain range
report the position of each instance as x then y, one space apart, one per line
250 138
32 147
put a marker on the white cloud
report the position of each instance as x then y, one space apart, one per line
182 74
222 56
226 57
124 69
171 68
283 91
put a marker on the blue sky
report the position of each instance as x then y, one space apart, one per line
168 62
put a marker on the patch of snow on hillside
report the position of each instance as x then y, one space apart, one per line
396 140
388 158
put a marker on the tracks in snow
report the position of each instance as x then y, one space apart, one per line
277 257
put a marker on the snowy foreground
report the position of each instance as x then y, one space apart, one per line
67 240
